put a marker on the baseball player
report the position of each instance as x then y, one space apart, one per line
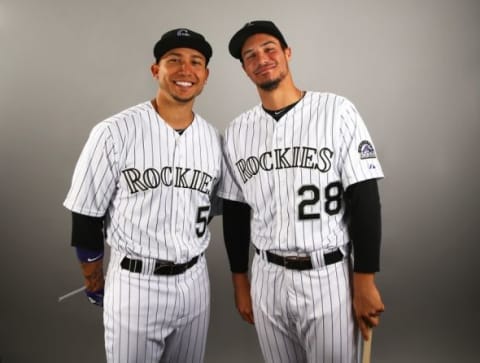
300 183
147 179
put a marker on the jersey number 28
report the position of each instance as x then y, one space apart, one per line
311 194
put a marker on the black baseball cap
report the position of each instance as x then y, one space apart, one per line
182 38
249 29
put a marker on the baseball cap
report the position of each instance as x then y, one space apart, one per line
249 29
182 38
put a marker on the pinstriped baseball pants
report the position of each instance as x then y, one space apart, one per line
304 316
152 318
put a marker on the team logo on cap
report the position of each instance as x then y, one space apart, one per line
366 150
183 33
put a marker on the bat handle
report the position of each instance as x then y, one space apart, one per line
367 347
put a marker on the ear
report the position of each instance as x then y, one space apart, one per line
207 73
288 53
154 69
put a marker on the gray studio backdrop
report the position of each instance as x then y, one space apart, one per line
412 68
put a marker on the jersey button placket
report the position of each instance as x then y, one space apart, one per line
278 182
176 201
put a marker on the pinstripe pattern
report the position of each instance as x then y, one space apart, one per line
136 150
304 316
319 125
292 172
156 318
154 187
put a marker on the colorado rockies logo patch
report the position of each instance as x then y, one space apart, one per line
366 150
183 33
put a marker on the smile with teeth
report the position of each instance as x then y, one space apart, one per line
184 84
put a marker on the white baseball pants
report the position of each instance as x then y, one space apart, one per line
152 318
304 316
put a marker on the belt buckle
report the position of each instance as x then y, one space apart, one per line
298 258
290 261
163 265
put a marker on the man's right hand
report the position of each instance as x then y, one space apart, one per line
94 281
243 299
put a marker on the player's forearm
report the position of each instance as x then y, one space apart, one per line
365 225
240 280
87 232
87 237
243 299
236 234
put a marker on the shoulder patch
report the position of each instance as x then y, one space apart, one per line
366 150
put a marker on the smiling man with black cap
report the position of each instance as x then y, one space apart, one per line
300 183
145 180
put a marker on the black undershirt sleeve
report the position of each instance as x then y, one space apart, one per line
364 218
236 234
87 232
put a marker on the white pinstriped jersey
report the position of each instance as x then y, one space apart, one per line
292 171
153 185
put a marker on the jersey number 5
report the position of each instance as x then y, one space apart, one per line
202 220
333 199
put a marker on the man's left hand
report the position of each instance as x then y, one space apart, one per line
367 302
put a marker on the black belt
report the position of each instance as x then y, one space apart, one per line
301 262
161 267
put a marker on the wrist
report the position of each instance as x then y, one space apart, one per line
240 279
364 276
363 280
85 255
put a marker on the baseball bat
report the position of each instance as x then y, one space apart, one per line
71 293
367 348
